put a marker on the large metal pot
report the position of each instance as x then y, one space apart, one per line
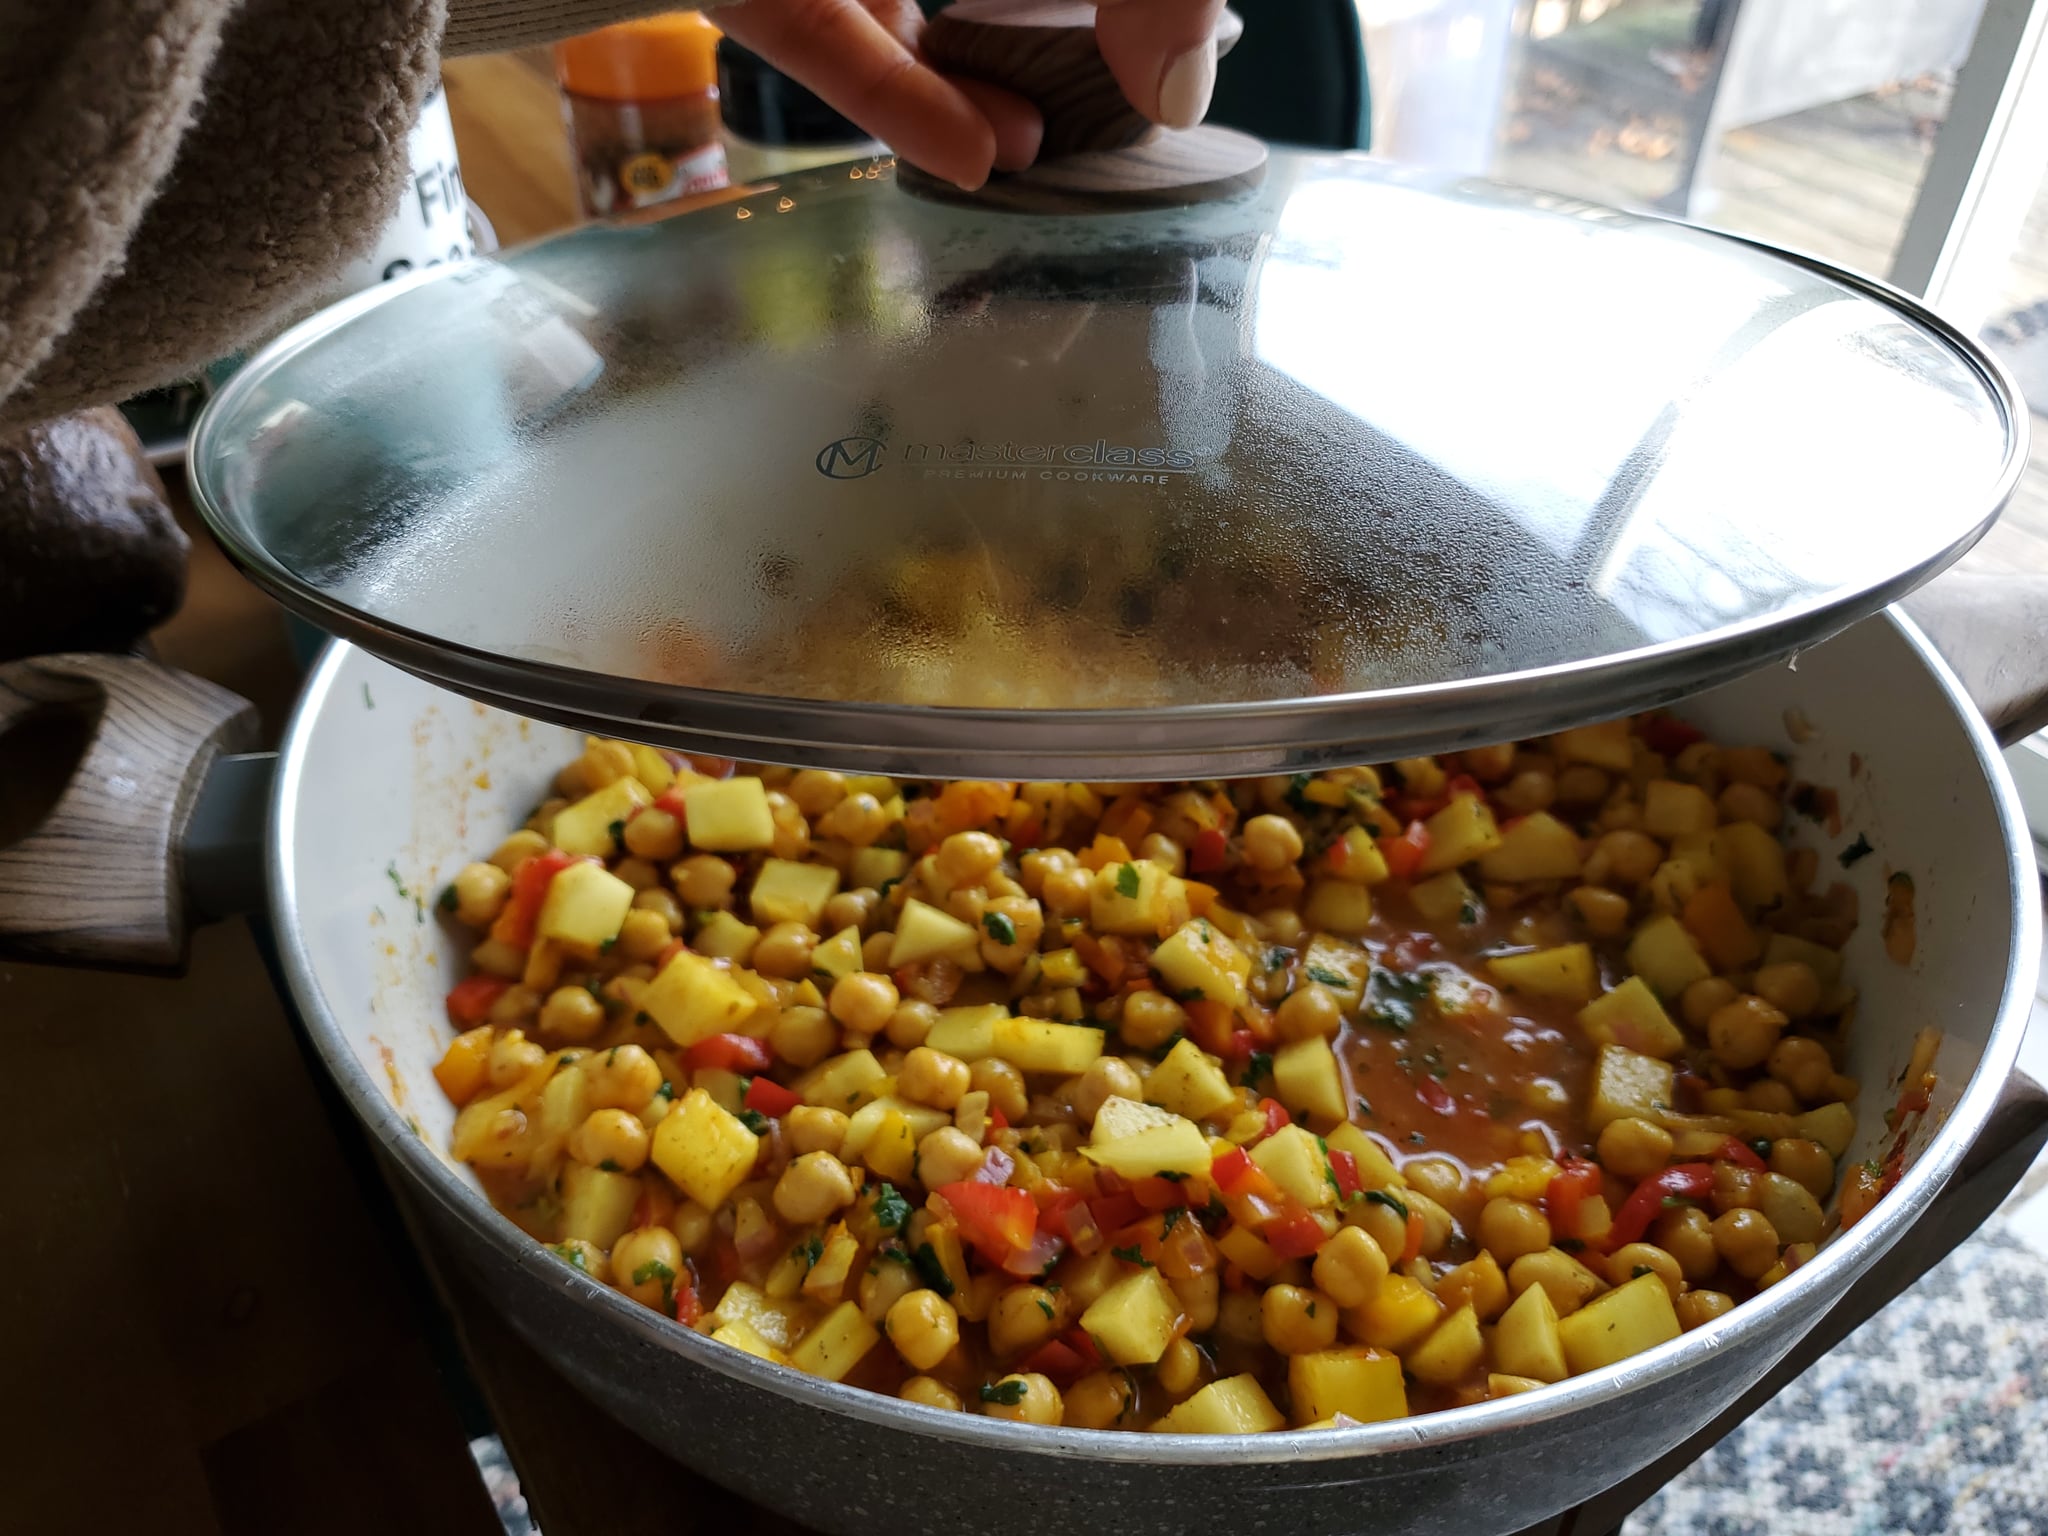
385 785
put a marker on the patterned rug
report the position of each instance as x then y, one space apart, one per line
1930 1420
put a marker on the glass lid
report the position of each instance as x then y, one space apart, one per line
1339 463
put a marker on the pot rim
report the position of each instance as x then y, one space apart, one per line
1832 1269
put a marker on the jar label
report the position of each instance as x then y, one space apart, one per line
650 176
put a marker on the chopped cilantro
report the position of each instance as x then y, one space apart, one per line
368 702
1639 1271
1394 998
1416 1138
1173 1216
1126 882
934 1273
999 927
1365 1109
642 1016
606 947
610 1166
811 1250
398 885
1381 1197
654 1269
891 1209
617 830
1189 995
1468 912
446 901
1008 1393
667 1090
570 1254
1297 793
888 886
1328 977
1761 1147
1172 1175
1131 1255
1571 1244
1165 1047
754 1121
1675 1202
1259 1066
1277 958
1872 1167
1311 1309
1044 1306
894 1255
1857 851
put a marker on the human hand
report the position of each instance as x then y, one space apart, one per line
861 58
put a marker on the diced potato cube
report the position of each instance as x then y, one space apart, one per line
693 998
727 1088
1460 832
1176 1148
786 891
1537 847
707 1152
922 1120
873 868
1500 1384
925 933
1672 809
1356 857
1453 1350
1307 1080
1199 961
1375 1169
1477 1283
1120 1117
1565 971
1189 1083
484 1135
892 1150
1526 1342
651 768
1445 898
725 937
1249 1252
594 826
968 1033
1626 1321
1606 745
1359 1382
1338 906
838 956
1665 956
1631 1016
1341 967
1701 853
1129 898
1034 1045
1626 1082
597 1204
837 1344
1236 1405
1712 917
781 1323
1062 968
464 1067
1132 1322
1401 1315
1832 1125
843 1082
741 1336
585 907
1292 1159
728 815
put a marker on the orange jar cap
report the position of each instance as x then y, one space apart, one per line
673 54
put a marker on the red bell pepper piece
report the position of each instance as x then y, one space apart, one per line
996 1220
689 1305
1058 1362
1578 1179
770 1098
1114 1212
1157 1194
1663 733
1404 854
1276 1115
1076 1338
1294 1234
1463 784
469 1001
1411 1247
1691 1181
671 800
1209 854
530 882
1434 1095
1230 1171
1242 1043
998 1119
1742 1154
735 1053
1344 1167
1210 1024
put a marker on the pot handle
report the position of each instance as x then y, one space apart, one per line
1992 628
101 880
1098 154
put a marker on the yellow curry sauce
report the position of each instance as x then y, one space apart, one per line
1213 1107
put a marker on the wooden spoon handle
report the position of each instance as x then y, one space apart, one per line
100 879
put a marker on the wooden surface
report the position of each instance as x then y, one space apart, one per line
100 883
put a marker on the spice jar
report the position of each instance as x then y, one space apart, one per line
640 101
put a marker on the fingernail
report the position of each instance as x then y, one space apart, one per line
1185 87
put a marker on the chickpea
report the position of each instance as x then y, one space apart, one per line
518 1004
1310 1011
654 834
1036 865
1734 1187
874 952
611 1139
1180 1370
1631 856
1704 998
1297 1321
513 1058
1388 1230
932 1077
910 1023
809 1128
923 1327
1158 848
1270 843
1790 1208
704 881
1107 1077
500 960
1790 986
1687 1234
1802 1065
965 857
517 849
1632 1259
812 1187
1068 892
663 906
1100 1400
480 892
1742 1033
1150 1019
855 909
624 1077
930 1393
947 1155
1698 1307
1772 1097
571 1015
1040 1404
1746 802
1200 1297
1747 1242
803 1036
1003 1084
817 790
862 1001
1011 927
785 951
1805 1162
858 819
881 1286
1437 1177
1581 784
1510 1228
643 935
645 1263
792 832
693 1226
1350 1267
1023 1317
637 873
1282 925
1531 790
1634 1148
1604 913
